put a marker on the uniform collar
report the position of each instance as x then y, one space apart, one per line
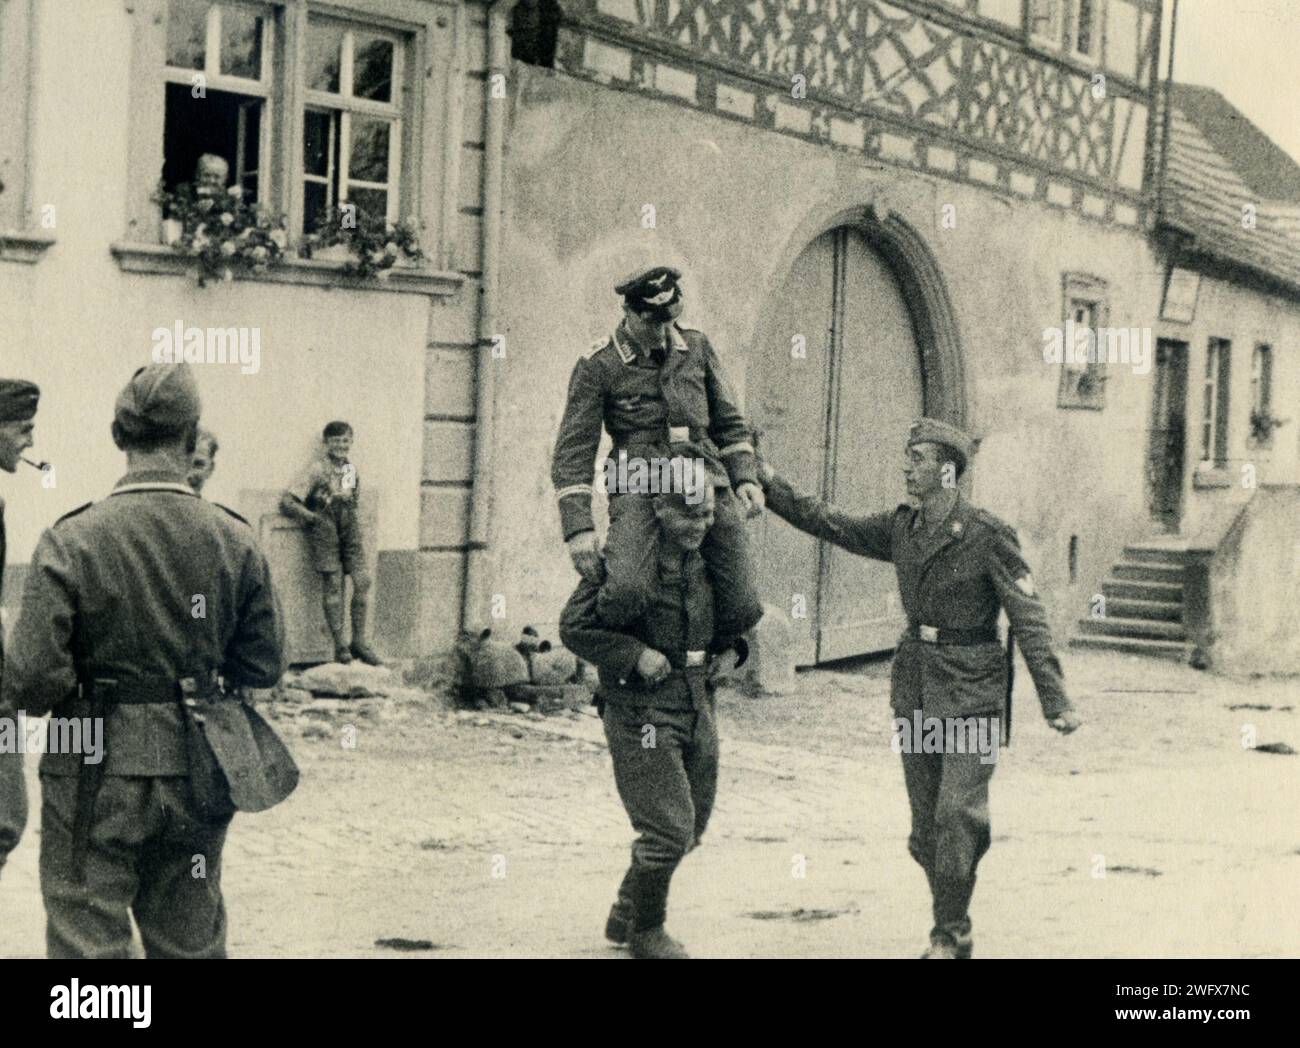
953 529
627 346
154 480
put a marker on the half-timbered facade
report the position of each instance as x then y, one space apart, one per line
880 209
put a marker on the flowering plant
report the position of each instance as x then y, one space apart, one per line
221 230
374 243
1262 424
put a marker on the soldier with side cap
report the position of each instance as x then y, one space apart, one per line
957 566
134 606
657 387
18 400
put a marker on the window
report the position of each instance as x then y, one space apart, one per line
1214 406
1261 394
352 127
310 104
1046 21
1085 40
217 77
26 227
1085 343
1076 23
1122 40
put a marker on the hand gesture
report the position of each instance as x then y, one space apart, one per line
1066 722
653 666
752 498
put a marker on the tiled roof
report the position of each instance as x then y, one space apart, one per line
1219 162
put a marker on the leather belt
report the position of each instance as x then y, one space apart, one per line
140 691
947 635
669 434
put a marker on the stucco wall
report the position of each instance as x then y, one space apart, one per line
1245 317
1255 575
398 366
734 207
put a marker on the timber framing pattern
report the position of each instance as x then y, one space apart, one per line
914 83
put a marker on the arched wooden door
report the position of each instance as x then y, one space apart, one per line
834 420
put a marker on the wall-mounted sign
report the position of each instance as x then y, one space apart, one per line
1181 291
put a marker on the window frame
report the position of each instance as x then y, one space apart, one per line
1062 17
1075 14
348 106
429 153
1215 403
215 80
1086 387
1261 389
20 239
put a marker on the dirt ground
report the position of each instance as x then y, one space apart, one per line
1150 832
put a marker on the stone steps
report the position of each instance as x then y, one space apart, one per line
1144 605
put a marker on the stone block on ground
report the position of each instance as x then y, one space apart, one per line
356 680
770 667
551 698
556 666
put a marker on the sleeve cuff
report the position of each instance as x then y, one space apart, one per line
741 467
575 511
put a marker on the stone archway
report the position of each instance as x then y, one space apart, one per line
856 339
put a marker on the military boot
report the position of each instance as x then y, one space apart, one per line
657 945
618 926
950 936
944 947
362 650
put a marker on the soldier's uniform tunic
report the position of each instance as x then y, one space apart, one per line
111 595
952 581
655 410
18 402
667 783
13 790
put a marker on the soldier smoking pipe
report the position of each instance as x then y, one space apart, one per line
42 466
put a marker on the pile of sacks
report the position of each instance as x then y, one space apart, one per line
495 674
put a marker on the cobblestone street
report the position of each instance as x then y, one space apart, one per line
500 835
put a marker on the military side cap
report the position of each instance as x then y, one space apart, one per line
18 399
932 431
653 292
160 400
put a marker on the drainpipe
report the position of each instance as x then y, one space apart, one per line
1169 105
474 595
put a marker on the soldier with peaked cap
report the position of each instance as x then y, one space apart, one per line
136 607
18 400
658 389
957 566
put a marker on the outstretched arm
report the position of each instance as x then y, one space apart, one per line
870 536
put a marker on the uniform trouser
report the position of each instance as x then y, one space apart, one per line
148 856
630 566
13 802
949 797
666 771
